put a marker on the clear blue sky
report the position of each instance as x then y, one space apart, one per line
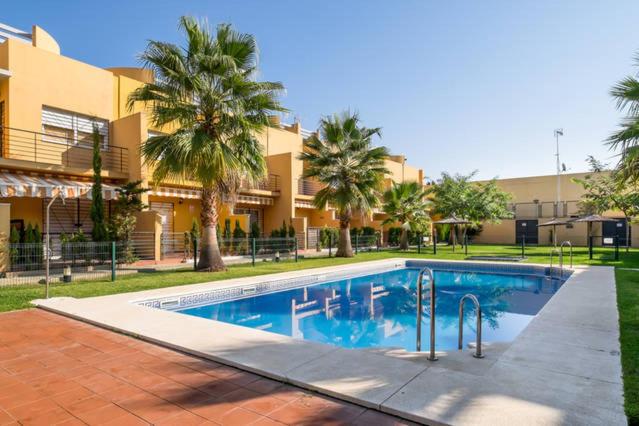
456 86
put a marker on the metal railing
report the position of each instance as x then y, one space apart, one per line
308 187
561 248
460 340
420 289
69 261
25 145
143 244
271 183
544 209
559 253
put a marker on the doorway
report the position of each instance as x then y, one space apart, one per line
529 229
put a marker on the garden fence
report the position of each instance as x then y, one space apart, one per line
25 263
268 248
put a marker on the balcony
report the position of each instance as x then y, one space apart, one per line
544 209
271 183
308 187
55 150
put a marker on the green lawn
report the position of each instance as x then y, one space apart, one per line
12 298
628 303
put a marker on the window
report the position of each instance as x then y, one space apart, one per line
67 127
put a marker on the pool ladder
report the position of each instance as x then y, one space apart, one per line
560 254
561 248
420 289
460 341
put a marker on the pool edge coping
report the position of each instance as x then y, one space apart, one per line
413 369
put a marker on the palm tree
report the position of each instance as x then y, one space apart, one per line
626 93
407 204
351 169
207 91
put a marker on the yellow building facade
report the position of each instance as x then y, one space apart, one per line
49 104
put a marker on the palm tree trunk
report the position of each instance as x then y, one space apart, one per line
344 248
210 257
403 240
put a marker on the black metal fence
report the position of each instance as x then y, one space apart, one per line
269 248
26 263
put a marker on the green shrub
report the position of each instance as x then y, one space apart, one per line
255 230
328 234
239 239
368 230
394 235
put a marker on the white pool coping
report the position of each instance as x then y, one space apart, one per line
564 368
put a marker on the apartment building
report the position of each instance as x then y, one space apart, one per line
48 106
534 202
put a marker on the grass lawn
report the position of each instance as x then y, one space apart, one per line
12 298
18 297
628 304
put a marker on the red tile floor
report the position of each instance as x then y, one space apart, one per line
55 370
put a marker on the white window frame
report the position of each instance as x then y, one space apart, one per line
74 122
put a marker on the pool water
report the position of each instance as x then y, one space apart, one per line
379 310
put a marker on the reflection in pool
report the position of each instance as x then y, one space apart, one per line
379 310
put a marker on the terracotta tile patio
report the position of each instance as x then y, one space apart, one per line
55 370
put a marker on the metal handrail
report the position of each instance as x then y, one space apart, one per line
420 288
460 343
561 261
561 248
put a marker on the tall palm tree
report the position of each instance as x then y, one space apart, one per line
407 204
626 139
352 170
207 91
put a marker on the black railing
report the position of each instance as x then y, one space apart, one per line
25 145
271 183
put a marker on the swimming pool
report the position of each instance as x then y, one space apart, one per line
378 309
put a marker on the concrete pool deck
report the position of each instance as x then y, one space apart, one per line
564 368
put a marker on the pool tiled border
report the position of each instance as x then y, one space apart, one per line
564 368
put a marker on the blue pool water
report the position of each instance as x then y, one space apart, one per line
379 310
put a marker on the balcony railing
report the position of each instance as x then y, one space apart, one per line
308 187
271 183
544 209
25 145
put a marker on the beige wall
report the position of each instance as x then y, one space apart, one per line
501 233
400 171
543 188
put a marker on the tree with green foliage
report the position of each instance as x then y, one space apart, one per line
207 90
123 220
239 238
458 195
604 191
195 229
342 157
407 203
99 232
255 230
626 139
